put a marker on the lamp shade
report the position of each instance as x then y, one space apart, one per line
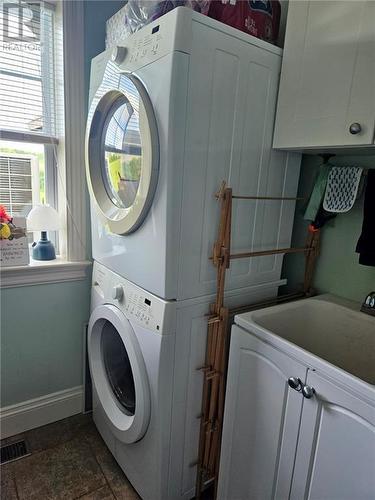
43 218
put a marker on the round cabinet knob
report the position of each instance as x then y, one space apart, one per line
355 128
117 292
294 383
308 392
119 54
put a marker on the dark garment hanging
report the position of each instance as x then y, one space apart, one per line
366 242
322 217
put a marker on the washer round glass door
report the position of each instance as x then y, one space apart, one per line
119 373
122 154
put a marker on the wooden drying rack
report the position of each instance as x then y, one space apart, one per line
216 359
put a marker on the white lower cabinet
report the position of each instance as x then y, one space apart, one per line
262 416
278 444
335 457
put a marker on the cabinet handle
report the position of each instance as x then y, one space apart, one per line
295 383
355 128
308 392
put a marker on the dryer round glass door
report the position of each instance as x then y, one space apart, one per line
122 154
119 373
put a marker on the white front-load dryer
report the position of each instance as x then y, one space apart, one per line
131 356
179 106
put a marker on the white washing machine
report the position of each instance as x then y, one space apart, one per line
175 109
144 356
131 343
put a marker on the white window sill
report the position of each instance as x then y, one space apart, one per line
41 272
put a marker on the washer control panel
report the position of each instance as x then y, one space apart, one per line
140 306
137 304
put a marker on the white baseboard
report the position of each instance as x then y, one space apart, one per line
40 411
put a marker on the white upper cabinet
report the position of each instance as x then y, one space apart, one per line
327 85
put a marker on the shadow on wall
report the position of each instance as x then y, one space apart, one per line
338 270
96 15
283 18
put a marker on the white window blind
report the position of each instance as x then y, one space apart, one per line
30 45
19 183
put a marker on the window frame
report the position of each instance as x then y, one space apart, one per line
71 184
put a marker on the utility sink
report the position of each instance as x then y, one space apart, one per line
327 326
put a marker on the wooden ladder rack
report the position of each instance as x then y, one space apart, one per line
215 366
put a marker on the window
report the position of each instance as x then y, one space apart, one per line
31 103
42 124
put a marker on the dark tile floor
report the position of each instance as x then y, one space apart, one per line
68 460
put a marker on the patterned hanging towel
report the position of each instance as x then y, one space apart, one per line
342 188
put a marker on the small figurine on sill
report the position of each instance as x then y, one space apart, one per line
5 220
8 230
14 249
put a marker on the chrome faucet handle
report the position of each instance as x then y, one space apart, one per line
368 305
355 128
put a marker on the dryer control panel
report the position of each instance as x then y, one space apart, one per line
166 34
146 47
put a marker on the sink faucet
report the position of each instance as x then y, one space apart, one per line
368 305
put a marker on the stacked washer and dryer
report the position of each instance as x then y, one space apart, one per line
175 109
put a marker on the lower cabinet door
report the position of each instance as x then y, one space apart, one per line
336 448
261 421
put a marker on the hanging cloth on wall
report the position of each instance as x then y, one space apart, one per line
342 188
318 191
366 242
322 217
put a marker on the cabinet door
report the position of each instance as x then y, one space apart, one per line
336 447
328 75
261 421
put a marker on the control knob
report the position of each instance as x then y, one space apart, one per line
117 292
119 54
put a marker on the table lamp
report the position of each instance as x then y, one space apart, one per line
43 218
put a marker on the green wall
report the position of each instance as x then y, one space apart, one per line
42 325
337 270
41 339
96 14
